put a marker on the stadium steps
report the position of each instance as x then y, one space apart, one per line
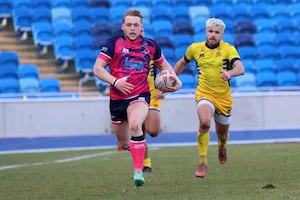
47 66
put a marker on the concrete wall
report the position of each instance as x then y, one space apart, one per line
87 116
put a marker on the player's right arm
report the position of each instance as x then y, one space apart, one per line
179 66
101 73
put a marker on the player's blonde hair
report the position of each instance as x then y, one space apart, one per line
217 23
133 12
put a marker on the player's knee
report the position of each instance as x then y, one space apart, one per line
134 126
153 133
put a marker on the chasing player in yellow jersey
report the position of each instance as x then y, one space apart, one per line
152 122
217 61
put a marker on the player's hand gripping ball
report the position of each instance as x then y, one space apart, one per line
164 79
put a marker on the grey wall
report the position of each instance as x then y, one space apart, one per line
63 117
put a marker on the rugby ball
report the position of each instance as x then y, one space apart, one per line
164 79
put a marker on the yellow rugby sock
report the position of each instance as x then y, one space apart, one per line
147 162
203 140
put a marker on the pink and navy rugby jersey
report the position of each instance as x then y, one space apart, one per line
130 58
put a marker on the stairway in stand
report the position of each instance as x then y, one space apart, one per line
27 53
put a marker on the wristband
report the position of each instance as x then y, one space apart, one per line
114 83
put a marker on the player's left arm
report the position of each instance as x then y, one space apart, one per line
237 70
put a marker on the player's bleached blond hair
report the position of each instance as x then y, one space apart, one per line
133 12
217 23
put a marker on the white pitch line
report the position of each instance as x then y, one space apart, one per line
71 159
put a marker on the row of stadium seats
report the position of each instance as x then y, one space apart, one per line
254 27
23 78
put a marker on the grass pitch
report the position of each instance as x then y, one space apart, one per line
256 171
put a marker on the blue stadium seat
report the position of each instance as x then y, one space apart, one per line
242 2
81 15
265 25
41 15
84 61
241 12
79 3
41 4
164 41
116 13
182 40
264 38
199 37
22 21
101 28
247 80
162 27
222 12
222 2
61 15
60 4
268 51
229 26
287 78
287 25
82 29
22 4
199 12
162 2
180 52
9 62
50 85
42 36
265 65
297 38
148 29
227 37
284 38
63 50
6 8
99 14
181 3
142 3
243 39
180 27
9 86
161 13
286 64
207 3
266 79
99 3
180 14
249 66
188 81
248 52
84 42
199 26
278 10
259 11
262 2
289 51
62 29
244 26
169 54
7 71
28 71
29 85
125 3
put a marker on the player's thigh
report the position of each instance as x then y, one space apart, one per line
137 113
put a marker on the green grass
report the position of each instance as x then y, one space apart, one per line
249 168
